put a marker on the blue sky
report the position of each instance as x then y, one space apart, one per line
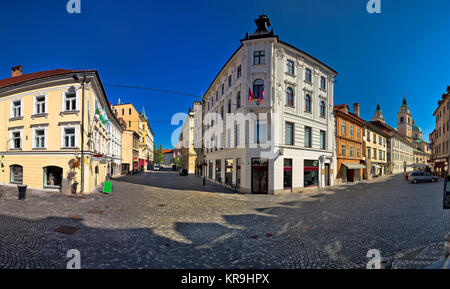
181 46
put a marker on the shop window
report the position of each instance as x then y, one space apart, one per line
287 173
53 177
229 172
16 174
311 173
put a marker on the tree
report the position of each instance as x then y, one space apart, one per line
176 161
158 155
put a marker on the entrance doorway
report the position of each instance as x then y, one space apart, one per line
260 176
327 175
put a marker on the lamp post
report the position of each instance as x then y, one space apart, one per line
77 77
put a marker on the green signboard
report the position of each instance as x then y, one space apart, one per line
107 188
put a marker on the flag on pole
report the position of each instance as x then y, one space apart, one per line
250 94
261 97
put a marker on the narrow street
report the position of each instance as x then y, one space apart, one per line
163 220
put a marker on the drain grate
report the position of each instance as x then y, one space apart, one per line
67 230
76 217
95 212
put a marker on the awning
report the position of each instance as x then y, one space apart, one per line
354 166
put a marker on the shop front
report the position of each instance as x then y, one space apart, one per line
311 173
351 172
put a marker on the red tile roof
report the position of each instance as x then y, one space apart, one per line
32 76
341 108
166 151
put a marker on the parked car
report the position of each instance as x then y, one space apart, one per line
157 167
421 176
183 172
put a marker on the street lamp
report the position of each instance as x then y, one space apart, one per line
81 77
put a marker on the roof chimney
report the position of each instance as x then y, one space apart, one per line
356 109
16 71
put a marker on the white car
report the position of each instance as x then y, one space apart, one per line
157 167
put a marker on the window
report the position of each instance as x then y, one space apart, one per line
218 171
69 137
70 100
289 131
16 174
238 100
223 89
379 140
40 104
287 173
323 83
343 150
358 133
258 87
289 97
16 108
123 111
308 103
39 138
369 152
239 71
16 139
343 128
129 124
308 76
229 106
261 130
259 57
358 152
322 109
323 140
53 177
308 137
229 81
352 154
402 120
229 172
351 130
374 154
311 173
368 135
381 155
290 67
129 111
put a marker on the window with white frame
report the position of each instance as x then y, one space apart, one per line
40 104
69 137
16 108
70 100
39 138
16 139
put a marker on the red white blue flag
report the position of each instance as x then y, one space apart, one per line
250 94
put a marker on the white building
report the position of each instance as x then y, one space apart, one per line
283 138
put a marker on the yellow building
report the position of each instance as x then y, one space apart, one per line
138 123
130 151
41 131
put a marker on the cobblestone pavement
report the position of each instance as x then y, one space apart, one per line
162 220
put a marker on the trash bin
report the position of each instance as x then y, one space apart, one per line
22 192
74 188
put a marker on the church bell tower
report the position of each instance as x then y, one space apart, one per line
404 120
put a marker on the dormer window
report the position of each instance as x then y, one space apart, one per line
259 57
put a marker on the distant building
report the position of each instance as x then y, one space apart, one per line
375 147
441 136
188 153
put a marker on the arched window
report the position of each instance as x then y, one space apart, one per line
402 119
16 174
322 108
258 87
53 177
289 97
307 103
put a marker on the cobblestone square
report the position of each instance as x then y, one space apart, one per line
163 220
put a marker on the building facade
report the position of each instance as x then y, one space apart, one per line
138 122
441 136
130 152
376 151
349 142
268 123
45 114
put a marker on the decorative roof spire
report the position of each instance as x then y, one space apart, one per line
405 103
262 28
143 113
